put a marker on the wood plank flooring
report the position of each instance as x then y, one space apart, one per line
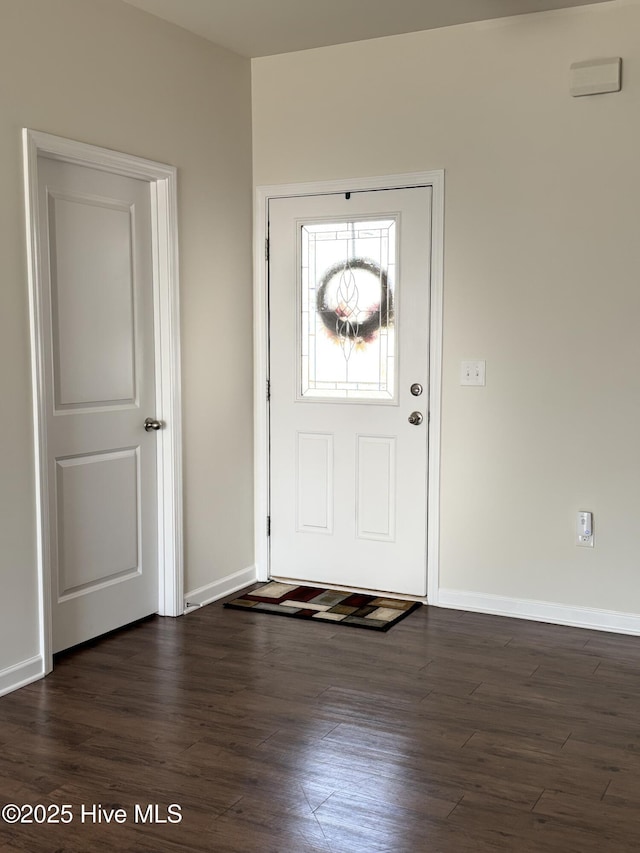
453 732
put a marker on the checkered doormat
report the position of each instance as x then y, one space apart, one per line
377 613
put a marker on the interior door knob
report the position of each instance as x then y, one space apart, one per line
152 424
415 418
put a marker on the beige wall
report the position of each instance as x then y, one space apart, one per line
542 273
102 72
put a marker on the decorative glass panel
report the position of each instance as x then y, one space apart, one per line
348 342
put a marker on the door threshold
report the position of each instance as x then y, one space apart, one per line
323 585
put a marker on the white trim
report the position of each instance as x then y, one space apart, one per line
541 611
163 181
260 377
263 194
21 674
218 589
435 388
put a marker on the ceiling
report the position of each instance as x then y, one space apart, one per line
264 27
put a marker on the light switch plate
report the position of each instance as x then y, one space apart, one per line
473 373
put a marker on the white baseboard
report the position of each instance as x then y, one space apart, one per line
21 674
218 589
541 611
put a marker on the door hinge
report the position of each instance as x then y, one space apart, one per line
268 390
268 525
266 249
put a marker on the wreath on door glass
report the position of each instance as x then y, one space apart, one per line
339 302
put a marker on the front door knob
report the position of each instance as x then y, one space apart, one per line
151 424
415 418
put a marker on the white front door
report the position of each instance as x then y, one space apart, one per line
96 268
349 372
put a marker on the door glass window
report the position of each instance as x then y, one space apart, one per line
347 345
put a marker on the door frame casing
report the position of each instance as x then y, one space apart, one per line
162 180
263 195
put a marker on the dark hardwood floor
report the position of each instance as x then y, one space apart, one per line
454 732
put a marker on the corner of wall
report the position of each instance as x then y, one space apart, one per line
219 589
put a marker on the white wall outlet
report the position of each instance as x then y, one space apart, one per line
473 373
585 529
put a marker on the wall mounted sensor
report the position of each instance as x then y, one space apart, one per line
596 77
585 529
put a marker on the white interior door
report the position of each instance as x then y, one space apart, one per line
96 268
349 325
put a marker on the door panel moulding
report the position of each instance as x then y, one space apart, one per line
263 194
162 180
